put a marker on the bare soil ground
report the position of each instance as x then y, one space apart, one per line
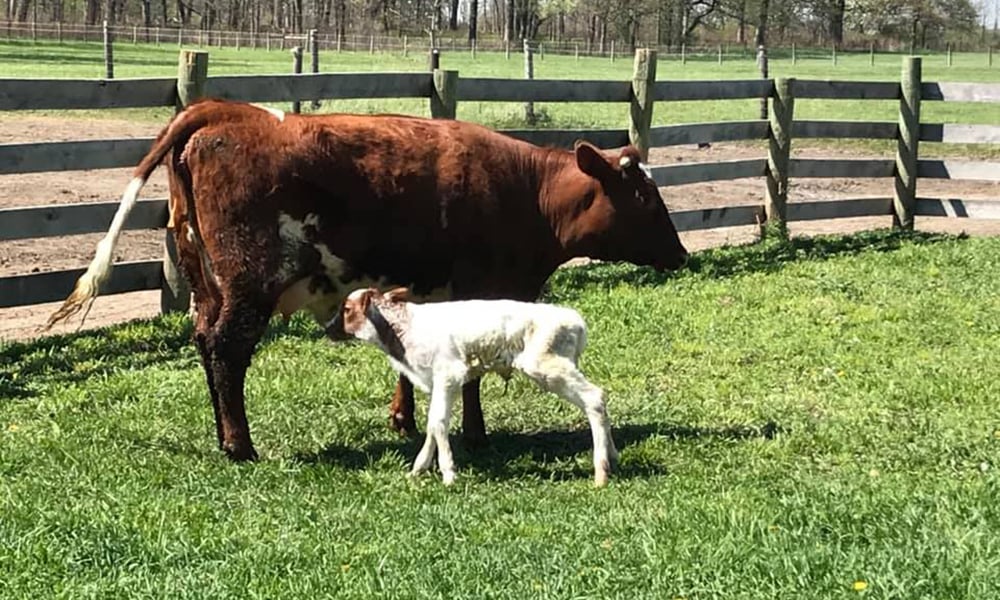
28 256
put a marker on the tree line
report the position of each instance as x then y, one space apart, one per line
888 23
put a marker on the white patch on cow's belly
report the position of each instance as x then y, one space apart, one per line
323 304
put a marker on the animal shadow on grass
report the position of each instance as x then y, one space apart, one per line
76 356
548 455
767 256
73 357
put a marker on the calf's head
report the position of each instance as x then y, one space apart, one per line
626 218
359 316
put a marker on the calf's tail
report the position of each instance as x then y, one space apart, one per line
174 136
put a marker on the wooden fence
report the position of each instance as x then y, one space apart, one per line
444 89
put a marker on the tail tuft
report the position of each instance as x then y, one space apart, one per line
89 285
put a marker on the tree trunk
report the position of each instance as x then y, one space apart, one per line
508 28
473 19
741 23
453 17
22 10
761 38
837 22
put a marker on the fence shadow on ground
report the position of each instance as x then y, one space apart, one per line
549 455
767 256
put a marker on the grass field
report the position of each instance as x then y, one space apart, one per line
79 59
816 419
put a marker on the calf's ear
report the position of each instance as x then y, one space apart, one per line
400 294
591 160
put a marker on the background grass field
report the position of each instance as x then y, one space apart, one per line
81 59
796 420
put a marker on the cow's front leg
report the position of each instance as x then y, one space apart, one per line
401 409
230 345
473 425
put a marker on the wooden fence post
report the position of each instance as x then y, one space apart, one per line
109 60
643 98
989 57
833 54
314 60
59 31
871 54
949 54
405 49
175 291
529 73
684 54
906 144
720 54
433 60
297 69
779 148
443 99
794 56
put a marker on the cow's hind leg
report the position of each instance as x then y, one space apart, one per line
473 424
230 344
401 410
205 318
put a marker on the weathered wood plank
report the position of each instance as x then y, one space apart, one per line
36 288
713 90
839 209
72 156
565 138
710 218
696 133
847 90
954 169
844 129
483 89
285 88
71 219
825 167
59 94
667 175
956 207
961 92
960 134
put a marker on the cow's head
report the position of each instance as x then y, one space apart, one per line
626 218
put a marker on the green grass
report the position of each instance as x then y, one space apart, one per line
79 59
793 418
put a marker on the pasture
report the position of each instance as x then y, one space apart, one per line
85 59
814 418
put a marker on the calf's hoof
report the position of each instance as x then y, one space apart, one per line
448 477
403 424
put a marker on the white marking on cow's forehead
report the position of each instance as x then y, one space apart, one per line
278 114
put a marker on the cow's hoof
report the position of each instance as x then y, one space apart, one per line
403 424
474 440
239 452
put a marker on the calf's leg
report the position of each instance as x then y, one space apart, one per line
438 420
229 346
561 376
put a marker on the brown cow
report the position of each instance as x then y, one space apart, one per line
280 213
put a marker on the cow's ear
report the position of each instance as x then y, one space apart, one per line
400 294
591 160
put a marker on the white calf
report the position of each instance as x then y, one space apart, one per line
440 346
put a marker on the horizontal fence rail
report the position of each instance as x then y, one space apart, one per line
72 156
59 94
444 89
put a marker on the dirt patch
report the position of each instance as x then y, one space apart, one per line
29 256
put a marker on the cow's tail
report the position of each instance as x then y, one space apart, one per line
174 136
